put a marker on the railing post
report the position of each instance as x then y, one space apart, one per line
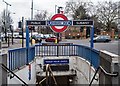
91 37
27 43
3 72
57 50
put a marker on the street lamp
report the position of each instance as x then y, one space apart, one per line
31 18
58 11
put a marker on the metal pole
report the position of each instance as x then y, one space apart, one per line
8 40
58 11
6 23
32 10
27 43
119 37
92 36
22 32
91 46
55 9
12 37
0 42
31 19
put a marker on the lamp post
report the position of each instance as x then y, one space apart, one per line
31 18
10 27
58 11
6 15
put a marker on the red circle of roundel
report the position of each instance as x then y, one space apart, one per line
57 16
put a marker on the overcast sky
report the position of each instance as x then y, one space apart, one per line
23 7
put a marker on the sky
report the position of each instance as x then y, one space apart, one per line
22 8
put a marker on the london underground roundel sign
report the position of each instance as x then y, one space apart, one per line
61 21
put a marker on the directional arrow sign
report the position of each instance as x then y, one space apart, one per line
82 22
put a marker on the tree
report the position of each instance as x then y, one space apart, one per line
77 10
80 13
107 13
6 22
43 16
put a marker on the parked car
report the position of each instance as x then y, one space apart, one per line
37 38
51 39
102 38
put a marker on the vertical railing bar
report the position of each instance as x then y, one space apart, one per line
10 55
13 61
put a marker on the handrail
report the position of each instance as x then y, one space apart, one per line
109 74
14 74
52 75
49 69
105 72
42 80
94 76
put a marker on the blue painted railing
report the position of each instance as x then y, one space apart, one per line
18 57
31 54
85 52
89 54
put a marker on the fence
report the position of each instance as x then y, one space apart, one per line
87 53
18 57
55 50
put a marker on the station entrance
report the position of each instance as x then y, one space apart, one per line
58 25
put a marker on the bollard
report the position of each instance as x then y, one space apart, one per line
56 41
33 41
20 41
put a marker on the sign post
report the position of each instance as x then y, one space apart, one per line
91 37
27 43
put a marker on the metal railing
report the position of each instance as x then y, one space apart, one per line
8 70
105 72
31 53
87 53
55 50
18 57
